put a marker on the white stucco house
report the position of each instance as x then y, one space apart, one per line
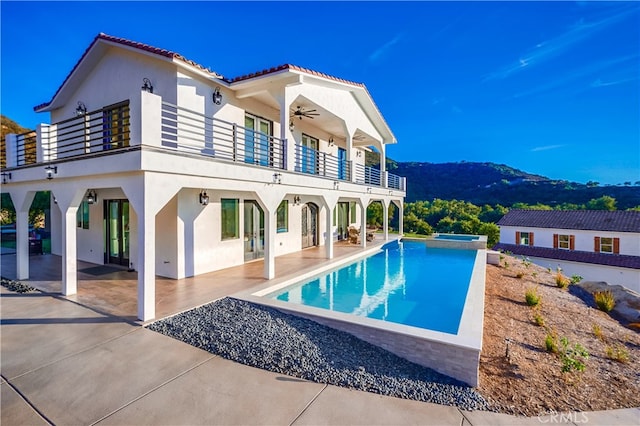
596 245
161 165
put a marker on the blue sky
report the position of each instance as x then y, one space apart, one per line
551 88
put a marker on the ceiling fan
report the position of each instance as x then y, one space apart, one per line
301 112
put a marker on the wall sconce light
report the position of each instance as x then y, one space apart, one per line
296 200
217 96
369 190
51 170
81 109
277 178
291 125
92 197
147 86
336 185
358 153
55 200
331 141
390 192
203 198
6 177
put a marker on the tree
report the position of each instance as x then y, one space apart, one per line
492 231
603 203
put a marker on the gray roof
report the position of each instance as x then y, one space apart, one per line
594 220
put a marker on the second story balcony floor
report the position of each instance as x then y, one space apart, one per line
151 123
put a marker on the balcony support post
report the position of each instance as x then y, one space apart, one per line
11 147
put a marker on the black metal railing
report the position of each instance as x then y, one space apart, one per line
312 161
26 148
193 132
367 175
100 130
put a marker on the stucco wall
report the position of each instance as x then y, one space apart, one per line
543 237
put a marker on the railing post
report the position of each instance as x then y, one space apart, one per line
352 170
403 182
150 116
234 133
283 143
42 142
11 146
384 178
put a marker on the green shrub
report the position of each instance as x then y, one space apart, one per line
618 353
531 296
604 300
538 319
575 279
573 358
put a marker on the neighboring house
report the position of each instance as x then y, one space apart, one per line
596 245
163 166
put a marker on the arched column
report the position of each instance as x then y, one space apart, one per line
363 202
69 199
269 201
22 202
329 203
385 218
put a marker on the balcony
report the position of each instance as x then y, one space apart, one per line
186 132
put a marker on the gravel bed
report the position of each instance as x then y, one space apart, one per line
266 338
16 286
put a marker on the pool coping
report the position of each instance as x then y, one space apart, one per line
416 342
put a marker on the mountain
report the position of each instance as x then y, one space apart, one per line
491 183
7 125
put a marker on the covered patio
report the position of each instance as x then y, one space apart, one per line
113 290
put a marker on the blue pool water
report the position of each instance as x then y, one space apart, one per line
406 283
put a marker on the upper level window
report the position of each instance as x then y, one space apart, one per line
524 238
607 245
115 126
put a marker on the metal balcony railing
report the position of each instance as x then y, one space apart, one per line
312 161
193 132
26 148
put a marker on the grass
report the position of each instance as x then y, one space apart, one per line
604 300
46 244
562 281
531 296
618 353
597 331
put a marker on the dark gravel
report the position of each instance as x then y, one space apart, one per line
266 338
16 286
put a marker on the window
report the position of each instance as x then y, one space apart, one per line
229 218
282 217
564 242
82 215
524 238
115 126
606 245
352 211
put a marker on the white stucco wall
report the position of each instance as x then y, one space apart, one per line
584 240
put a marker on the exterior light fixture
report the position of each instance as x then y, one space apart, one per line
336 185
51 170
204 198
296 200
147 86
291 125
359 154
81 109
6 177
369 190
92 197
277 178
331 141
217 96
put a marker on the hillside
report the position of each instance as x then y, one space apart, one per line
10 126
491 183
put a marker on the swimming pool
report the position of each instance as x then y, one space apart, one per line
457 237
456 354
405 283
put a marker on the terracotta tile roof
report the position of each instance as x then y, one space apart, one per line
161 52
593 220
619 260
295 68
